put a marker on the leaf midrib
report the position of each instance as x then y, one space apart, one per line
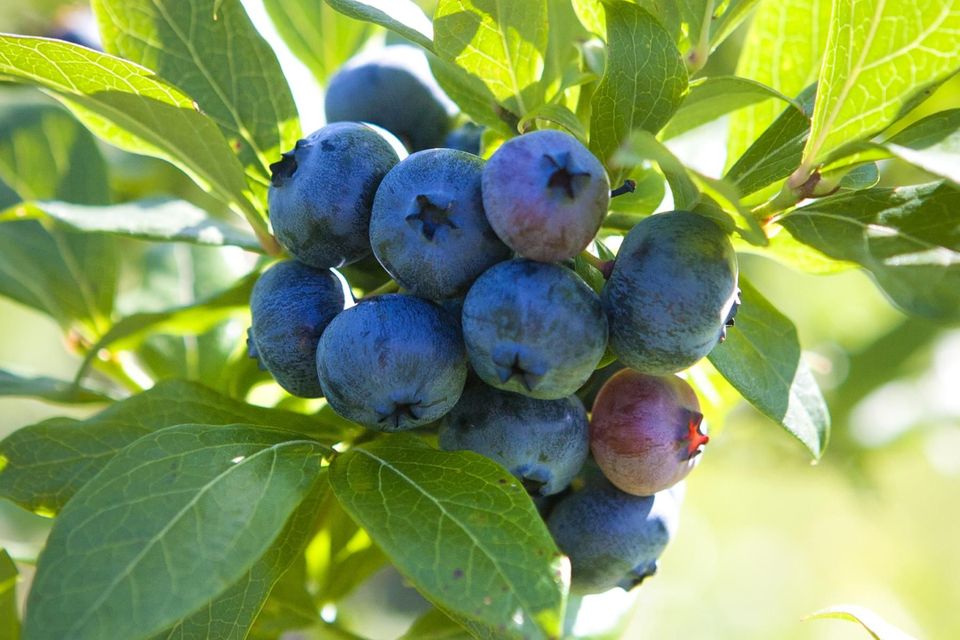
516 593
274 449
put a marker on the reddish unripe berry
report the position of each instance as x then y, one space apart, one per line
645 432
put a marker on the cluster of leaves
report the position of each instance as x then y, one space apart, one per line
183 511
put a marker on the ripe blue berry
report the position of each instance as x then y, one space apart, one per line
533 328
428 229
392 362
290 306
542 442
545 195
672 291
321 193
392 87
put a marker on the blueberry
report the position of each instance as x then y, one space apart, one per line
392 87
672 291
542 442
533 328
613 539
465 138
321 193
392 362
428 229
545 195
291 305
645 431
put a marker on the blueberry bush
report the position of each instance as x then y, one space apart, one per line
458 331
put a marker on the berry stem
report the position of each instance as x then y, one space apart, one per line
628 186
390 286
605 267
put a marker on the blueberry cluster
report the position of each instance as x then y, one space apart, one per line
494 335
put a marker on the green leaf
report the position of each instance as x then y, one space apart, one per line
877 627
473 97
70 277
932 144
557 115
158 219
231 614
9 617
777 152
290 605
731 17
460 528
628 209
48 462
435 625
591 16
642 146
323 39
46 153
49 389
710 98
130 107
644 81
211 50
878 56
342 555
733 216
502 43
783 50
761 358
788 250
189 319
400 16
168 524
906 238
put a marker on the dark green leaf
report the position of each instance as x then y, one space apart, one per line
643 146
48 462
861 177
502 43
710 98
49 389
160 219
211 50
435 625
460 528
9 617
128 106
777 152
907 238
877 627
400 16
644 81
323 39
169 523
254 596
761 358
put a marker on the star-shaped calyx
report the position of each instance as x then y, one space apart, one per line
695 438
430 213
564 177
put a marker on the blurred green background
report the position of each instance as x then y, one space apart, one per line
766 538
